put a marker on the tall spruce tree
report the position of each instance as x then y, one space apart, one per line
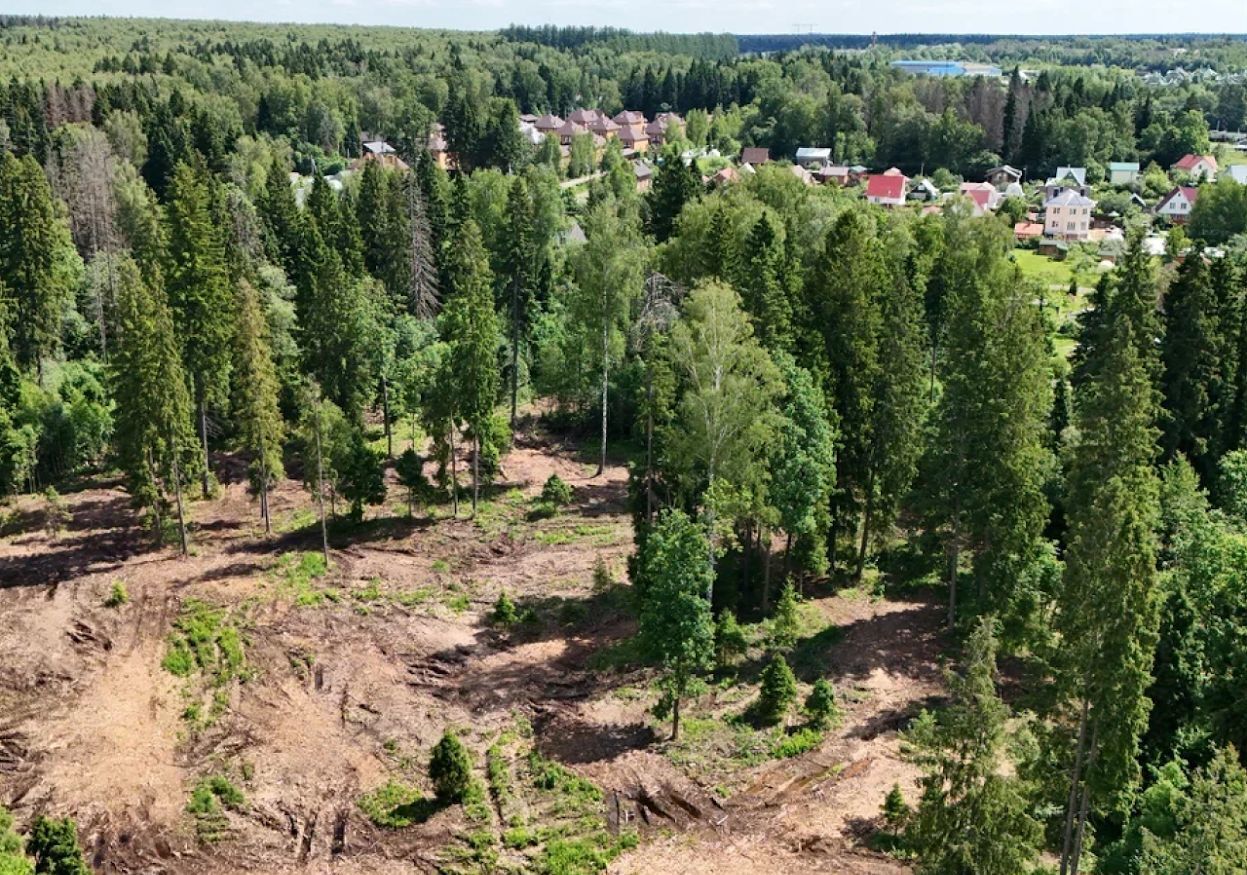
155 441
473 333
1107 612
38 263
256 409
199 291
520 260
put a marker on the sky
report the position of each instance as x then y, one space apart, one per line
736 16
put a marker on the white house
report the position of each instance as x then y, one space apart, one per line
1177 205
1198 167
1123 172
1068 216
1067 177
812 158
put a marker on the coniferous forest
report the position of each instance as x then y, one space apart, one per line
395 480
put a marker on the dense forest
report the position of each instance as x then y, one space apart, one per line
813 390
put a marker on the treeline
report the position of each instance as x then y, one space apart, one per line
710 46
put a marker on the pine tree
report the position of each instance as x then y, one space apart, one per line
971 818
472 331
1211 834
675 184
761 280
256 411
199 291
38 264
1107 612
153 410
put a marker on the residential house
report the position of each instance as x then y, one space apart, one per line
1067 177
383 153
1123 172
548 123
1177 205
802 174
983 195
1003 175
813 157
755 155
1199 168
604 127
584 117
1013 189
923 190
657 129
1023 231
724 176
834 173
887 189
634 137
644 176
1067 216
568 130
437 148
629 117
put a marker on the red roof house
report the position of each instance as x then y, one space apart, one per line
887 189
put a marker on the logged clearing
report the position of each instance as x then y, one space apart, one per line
319 694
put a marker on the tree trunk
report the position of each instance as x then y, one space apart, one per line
649 445
177 492
385 411
515 349
675 720
454 474
766 570
1075 778
320 495
203 436
867 518
954 559
476 472
156 518
1081 827
745 549
605 383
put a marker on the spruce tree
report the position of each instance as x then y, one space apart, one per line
256 411
763 288
153 409
521 268
971 818
199 290
1107 613
39 266
473 334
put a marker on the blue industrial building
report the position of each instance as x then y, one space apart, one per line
948 68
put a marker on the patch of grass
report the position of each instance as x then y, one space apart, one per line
441 566
476 803
297 574
410 598
117 596
519 837
205 643
799 742
295 520
595 535
458 603
394 805
574 795
209 799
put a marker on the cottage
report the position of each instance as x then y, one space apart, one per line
663 123
634 137
1003 175
812 157
983 195
1123 172
724 176
1068 216
834 173
923 190
604 127
1200 168
887 189
644 176
383 153
548 123
802 174
568 130
1023 231
1067 178
584 117
755 155
629 117
1177 205
438 151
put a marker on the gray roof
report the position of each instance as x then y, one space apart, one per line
1238 172
1070 198
1079 174
814 153
1123 165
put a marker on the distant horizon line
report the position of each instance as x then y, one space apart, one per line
1134 35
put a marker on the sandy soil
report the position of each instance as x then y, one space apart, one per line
338 693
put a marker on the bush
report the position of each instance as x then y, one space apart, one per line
730 643
504 611
54 845
786 624
117 596
798 743
779 691
556 492
450 768
895 811
820 705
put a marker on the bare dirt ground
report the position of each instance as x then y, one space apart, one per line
350 679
